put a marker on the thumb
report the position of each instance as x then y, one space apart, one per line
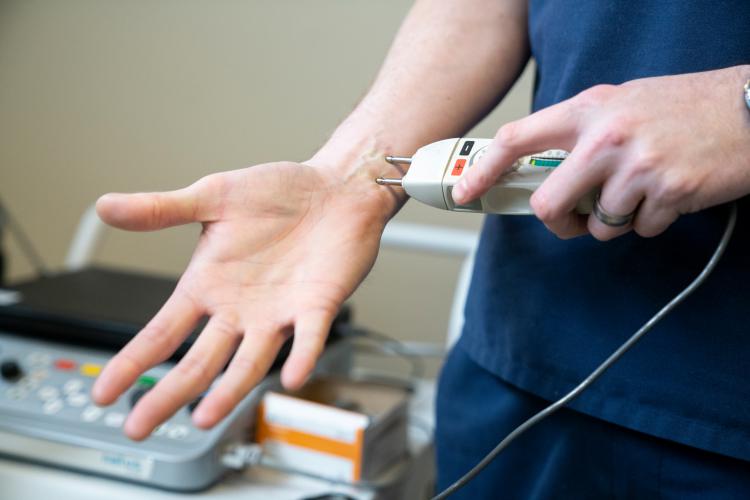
148 211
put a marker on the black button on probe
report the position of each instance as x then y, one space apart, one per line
466 149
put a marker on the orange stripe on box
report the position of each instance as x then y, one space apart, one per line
351 451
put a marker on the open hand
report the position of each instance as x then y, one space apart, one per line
283 245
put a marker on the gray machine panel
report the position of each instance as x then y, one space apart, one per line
46 416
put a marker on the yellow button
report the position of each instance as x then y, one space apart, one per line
90 369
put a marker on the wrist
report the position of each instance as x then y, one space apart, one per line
355 153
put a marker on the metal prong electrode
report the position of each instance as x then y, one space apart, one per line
388 182
396 160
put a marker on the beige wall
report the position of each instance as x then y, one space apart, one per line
144 95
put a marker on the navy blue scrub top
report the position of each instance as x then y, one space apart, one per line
543 312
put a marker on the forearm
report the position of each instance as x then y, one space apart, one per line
450 63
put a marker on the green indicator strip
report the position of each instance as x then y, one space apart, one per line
545 162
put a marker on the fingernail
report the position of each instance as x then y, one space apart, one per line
459 192
98 392
132 431
201 418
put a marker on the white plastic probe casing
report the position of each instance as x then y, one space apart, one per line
424 179
437 167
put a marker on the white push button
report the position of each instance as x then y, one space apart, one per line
16 393
77 399
73 385
52 406
28 383
91 414
48 392
39 358
161 430
114 419
39 374
178 432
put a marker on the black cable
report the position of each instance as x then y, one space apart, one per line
612 359
24 242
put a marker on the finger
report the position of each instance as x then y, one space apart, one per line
248 367
190 377
619 196
555 127
147 211
155 343
570 226
198 202
310 333
555 201
653 218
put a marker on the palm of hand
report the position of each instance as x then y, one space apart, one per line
280 251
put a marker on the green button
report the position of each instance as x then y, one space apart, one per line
147 381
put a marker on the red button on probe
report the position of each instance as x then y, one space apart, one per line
458 167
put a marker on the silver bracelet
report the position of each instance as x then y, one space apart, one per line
747 94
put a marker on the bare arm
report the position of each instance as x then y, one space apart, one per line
285 244
450 64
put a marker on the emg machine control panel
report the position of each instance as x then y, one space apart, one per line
46 415
56 334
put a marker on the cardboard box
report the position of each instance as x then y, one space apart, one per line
334 428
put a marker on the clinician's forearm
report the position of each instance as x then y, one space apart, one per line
450 63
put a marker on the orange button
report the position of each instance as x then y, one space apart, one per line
65 364
458 167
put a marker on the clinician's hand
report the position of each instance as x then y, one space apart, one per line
663 146
283 245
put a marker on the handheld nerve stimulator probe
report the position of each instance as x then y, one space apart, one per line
437 167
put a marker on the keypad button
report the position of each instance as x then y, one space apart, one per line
178 432
16 393
91 414
10 370
28 383
73 385
147 380
458 168
91 369
39 374
114 419
53 406
39 358
77 400
161 429
466 149
48 393
65 364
